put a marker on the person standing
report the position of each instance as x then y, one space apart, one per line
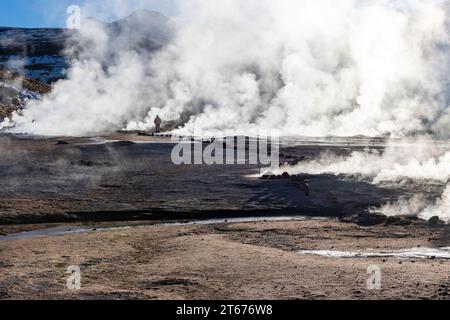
158 123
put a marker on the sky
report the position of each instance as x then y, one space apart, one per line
52 13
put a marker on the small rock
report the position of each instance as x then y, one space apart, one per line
369 219
392 220
435 220
398 221
61 143
285 175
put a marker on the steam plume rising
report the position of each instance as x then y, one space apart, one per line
319 67
413 162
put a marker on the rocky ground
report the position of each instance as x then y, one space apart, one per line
16 91
112 178
257 260
129 180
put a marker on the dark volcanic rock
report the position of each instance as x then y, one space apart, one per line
285 175
398 221
435 220
367 219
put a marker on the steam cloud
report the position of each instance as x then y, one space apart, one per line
417 160
302 68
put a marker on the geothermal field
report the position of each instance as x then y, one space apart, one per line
141 227
227 150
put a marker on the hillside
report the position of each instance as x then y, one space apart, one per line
36 53
16 91
40 53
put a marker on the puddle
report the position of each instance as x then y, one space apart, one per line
414 253
61 231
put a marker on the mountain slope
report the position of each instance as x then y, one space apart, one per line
152 26
35 53
40 53
16 91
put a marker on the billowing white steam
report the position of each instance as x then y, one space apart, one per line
311 67
440 209
421 160
419 206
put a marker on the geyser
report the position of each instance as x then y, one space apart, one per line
312 67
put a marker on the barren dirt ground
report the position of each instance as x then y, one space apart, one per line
129 180
257 260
